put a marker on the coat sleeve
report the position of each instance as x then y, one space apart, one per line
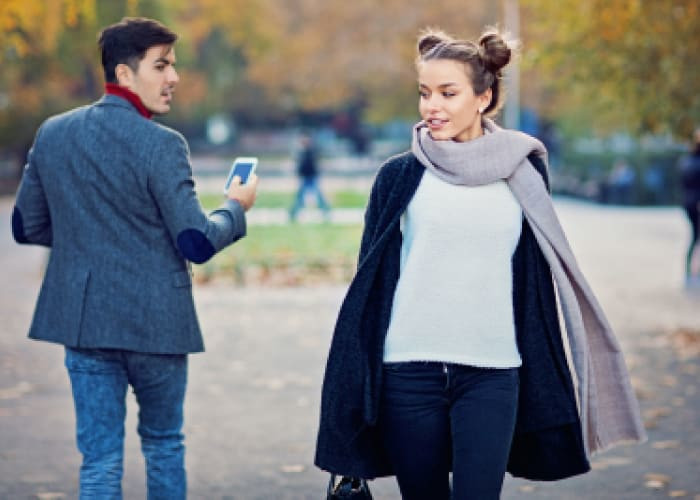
198 236
541 168
372 213
31 220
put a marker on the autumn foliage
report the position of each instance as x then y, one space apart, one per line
618 64
609 63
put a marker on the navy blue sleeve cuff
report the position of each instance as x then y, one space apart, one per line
195 246
18 227
230 222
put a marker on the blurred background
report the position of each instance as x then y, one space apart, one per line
611 87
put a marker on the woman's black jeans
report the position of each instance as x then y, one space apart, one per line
437 417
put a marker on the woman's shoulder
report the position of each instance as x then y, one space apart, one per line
396 169
400 160
395 165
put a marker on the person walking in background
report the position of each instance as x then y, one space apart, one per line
308 173
690 180
621 183
111 193
447 353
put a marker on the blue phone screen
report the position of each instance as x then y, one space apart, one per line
241 170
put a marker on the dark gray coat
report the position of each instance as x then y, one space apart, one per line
112 194
547 444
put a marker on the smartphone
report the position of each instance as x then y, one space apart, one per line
241 167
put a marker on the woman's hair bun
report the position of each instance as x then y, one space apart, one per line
430 38
494 50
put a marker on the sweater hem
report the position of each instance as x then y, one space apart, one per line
460 360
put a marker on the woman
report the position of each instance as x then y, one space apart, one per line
447 353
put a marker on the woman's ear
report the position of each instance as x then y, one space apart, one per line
484 100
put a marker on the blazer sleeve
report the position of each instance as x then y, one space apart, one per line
197 235
31 220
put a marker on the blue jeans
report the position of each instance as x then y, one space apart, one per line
308 184
437 417
99 379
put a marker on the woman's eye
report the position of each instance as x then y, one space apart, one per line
422 94
448 94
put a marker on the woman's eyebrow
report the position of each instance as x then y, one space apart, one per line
441 86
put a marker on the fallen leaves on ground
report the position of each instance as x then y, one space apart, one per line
686 342
295 468
656 481
665 445
653 415
606 462
17 391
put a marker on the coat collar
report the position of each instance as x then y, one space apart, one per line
128 95
113 100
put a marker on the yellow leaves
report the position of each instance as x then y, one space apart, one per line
191 90
629 64
15 17
239 20
34 26
656 481
325 52
131 7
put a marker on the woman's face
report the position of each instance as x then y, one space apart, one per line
447 102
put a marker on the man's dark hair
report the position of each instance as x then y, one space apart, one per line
127 41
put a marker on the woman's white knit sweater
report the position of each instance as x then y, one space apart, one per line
453 301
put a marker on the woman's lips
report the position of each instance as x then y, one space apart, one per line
436 123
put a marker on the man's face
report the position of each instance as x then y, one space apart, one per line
154 80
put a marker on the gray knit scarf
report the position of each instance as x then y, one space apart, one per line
607 405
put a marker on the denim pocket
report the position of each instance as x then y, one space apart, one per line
93 360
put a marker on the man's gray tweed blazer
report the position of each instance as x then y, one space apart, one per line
112 194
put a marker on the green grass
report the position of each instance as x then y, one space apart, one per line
265 199
349 199
292 254
277 199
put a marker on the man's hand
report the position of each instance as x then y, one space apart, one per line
244 193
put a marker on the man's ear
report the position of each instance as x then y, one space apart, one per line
124 74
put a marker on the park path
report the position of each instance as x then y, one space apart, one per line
252 405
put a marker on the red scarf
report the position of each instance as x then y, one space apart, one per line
124 93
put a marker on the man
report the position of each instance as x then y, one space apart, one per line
307 170
690 180
111 193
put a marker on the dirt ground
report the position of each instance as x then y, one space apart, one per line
253 397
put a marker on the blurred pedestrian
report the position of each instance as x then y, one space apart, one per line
447 353
621 183
690 180
111 193
308 173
